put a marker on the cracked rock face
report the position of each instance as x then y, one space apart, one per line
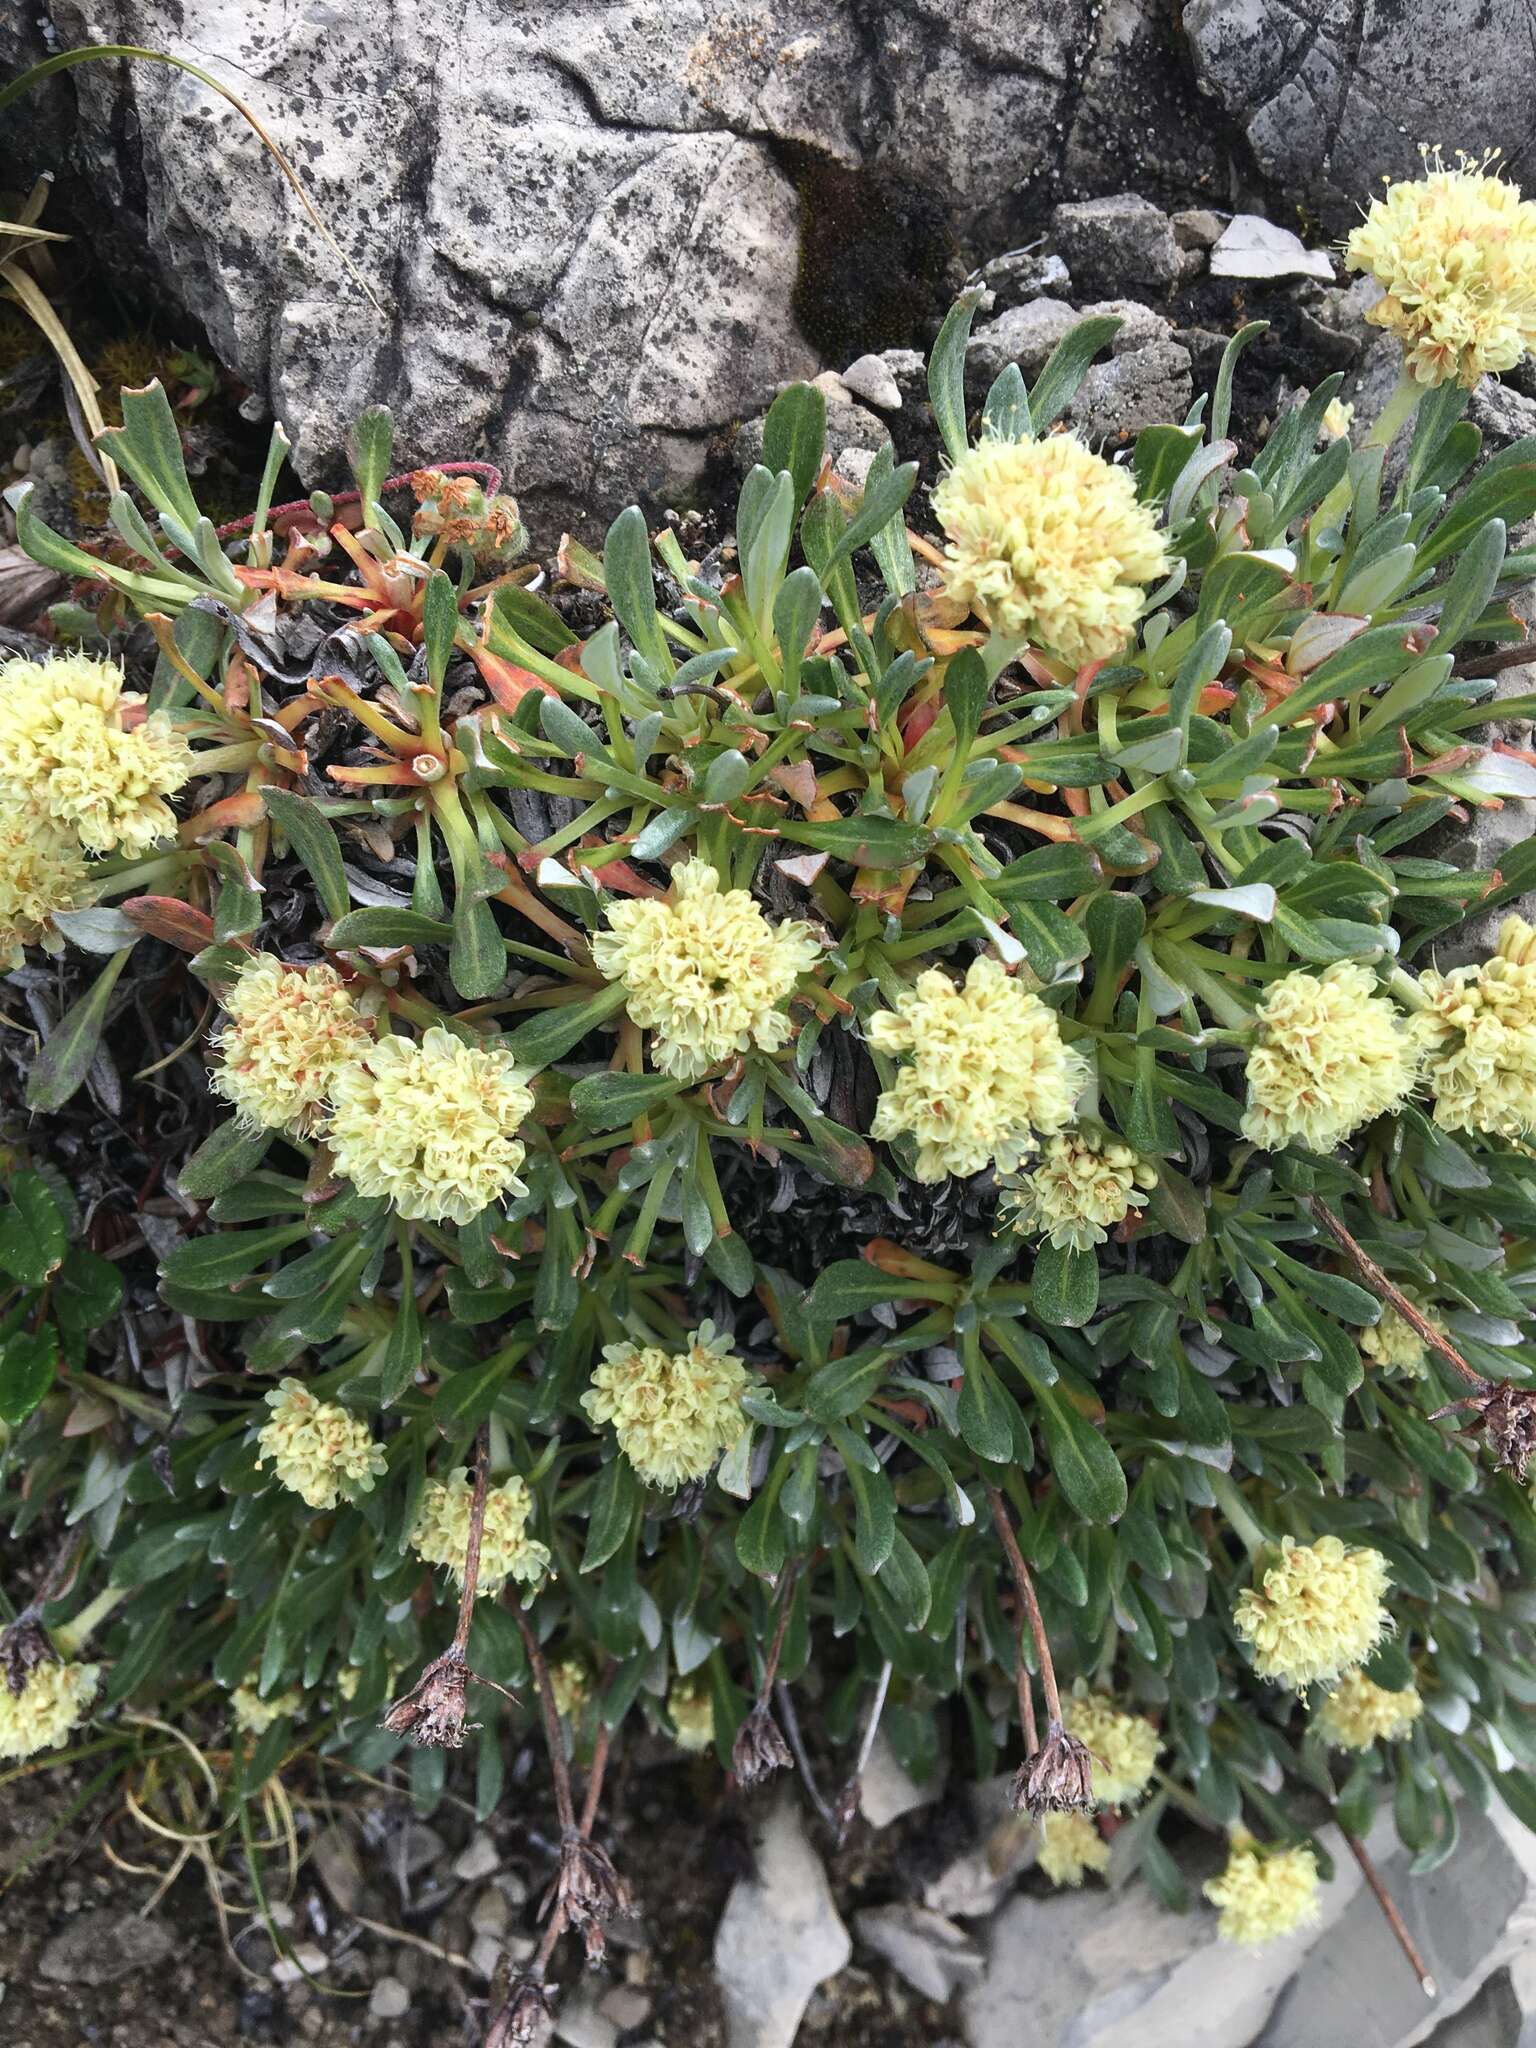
1333 95
585 219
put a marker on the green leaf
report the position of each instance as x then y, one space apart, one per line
439 625
1059 382
223 1159
841 1388
1085 1468
946 373
1505 489
71 1045
865 842
308 831
883 500
631 591
796 609
906 1582
368 449
87 1292
874 1505
33 1236
1049 874
552 1032
1472 585
891 546
148 446
531 619
1064 1286
1161 453
28 1361
761 1539
604 1101
795 436
985 1411
228 1256
1005 416
965 695
403 1352
477 953
388 929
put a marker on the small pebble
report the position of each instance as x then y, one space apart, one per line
491 1913
389 1999
305 1960
484 1955
480 1859
625 2005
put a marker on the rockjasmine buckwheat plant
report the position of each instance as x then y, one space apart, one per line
897 1118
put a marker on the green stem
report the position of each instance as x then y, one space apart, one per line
1396 413
1237 1512
72 1638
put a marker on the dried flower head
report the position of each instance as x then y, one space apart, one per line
691 1711
673 1412
317 1449
1084 1183
525 2021
1049 543
1455 254
1264 1893
24 1644
1358 1712
759 1749
1329 1055
433 1712
988 1071
75 743
1481 1031
255 1714
1124 1747
706 970
41 871
291 1031
507 1551
51 1704
590 1889
1395 1345
1507 1414
1315 1613
431 1124
1055 1778
1071 1846
456 509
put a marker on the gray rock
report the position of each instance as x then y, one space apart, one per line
1501 415
1117 245
934 1955
577 218
779 1937
909 369
887 1790
848 426
1022 274
626 2005
477 1859
872 379
1024 335
389 1999
1333 96
580 2021
975 1884
340 1868
853 465
1197 228
1253 247
100 1946
1143 388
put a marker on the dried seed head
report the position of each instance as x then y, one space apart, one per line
525 2021
1057 1778
1509 1416
432 1712
23 1646
759 1749
589 1890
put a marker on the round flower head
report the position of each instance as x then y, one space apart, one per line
1481 1031
1455 254
1357 1713
72 740
431 1124
317 1449
706 970
673 1413
255 1714
291 1030
1264 1894
1330 1055
41 870
1395 1345
507 1551
1070 1846
50 1706
1315 1613
571 1683
1083 1185
1049 543
692 1714
1124 1746
988 1071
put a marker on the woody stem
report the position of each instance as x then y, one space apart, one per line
476 1537
1375 1279
1026 1591
786 1599
565 1806
1394 1918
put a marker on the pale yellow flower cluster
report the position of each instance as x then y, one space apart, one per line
1330 1054
507 1551
41 870
1124 1747
1084 1183
1264 1894
430 1124
1316 1612
571 1683
256 1715
692 1714
1395 1345
1358 1712
48 1709
291 1030
1455 254
988 1071
1070 1846
705 970
1481 1031
672 1412
1049 543
72 744
317 1449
